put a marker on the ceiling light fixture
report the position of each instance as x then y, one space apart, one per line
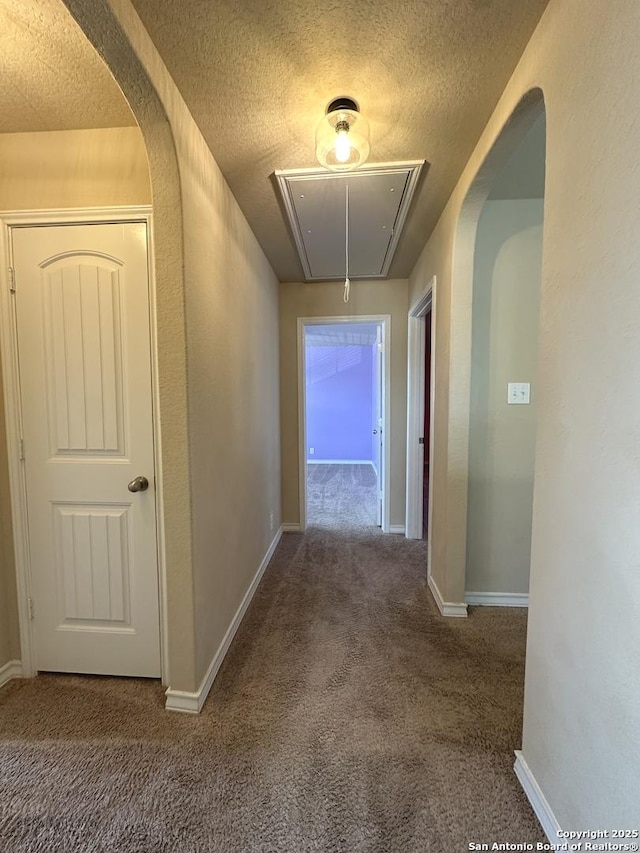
342 136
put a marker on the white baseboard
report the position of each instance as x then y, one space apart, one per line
537 799
497 599
191 703
12 669
340 462
396 528
447 608
291 528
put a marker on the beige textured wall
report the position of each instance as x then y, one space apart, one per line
73 168
582 696
234 424
506 315
325 300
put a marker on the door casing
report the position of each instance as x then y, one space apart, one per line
415 414
13 408
303 322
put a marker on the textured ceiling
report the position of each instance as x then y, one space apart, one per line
257 75
52 78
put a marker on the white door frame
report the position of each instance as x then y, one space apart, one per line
13 412
415 413
303 322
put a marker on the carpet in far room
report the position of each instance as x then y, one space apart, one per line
341 495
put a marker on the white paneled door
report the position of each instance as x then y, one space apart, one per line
82 305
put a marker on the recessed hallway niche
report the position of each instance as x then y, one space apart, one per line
504 359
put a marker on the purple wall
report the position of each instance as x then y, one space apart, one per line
339 402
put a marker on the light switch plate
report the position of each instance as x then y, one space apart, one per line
519 393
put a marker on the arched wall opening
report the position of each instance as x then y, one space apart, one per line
504 358
529 110
123 166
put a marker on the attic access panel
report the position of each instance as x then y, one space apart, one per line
379 200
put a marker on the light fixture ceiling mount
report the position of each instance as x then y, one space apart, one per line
342 136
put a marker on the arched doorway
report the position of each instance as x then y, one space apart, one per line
504 364
449 466
100 26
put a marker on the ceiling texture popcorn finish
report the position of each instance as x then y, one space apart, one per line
52 78
257 76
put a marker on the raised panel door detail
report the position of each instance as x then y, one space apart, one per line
82 326
92 565
84 345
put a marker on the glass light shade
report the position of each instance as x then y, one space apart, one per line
342 140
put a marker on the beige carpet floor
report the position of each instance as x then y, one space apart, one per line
348 716
341 495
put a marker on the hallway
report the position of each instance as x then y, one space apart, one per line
348 716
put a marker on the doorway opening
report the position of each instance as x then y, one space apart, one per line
343 375
426 431
421 370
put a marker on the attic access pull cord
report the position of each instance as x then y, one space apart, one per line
347 283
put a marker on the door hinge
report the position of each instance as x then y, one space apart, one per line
21 449
31 607
380 348
421 441
12 280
